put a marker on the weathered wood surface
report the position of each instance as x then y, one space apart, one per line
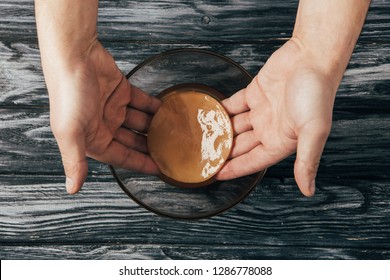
350 213
188 252
189 21
361 109
347 218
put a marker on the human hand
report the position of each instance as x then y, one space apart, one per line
287 108
93 110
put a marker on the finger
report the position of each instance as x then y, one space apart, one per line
119 155
311 142
241 123
244 143
72 147
131 140
143 102
237 103
117 101
137 120
254 161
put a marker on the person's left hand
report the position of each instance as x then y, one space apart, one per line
94 111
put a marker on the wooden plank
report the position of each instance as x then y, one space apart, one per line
364 85
227 21
35 210
27 145
188 21
21 77
186 252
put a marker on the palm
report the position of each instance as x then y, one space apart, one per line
285 106
94 114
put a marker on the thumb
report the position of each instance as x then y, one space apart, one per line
311 141
72 148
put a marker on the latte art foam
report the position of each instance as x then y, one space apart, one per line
190 136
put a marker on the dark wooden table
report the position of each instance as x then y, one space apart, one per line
348 218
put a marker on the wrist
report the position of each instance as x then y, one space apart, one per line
95 65
60 66
67 30
331 64
331 70
328 31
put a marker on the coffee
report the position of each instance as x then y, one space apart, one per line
190 137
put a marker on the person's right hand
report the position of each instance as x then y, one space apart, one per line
93 111
287 108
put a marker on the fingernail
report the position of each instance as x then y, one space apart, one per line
312 187
69 184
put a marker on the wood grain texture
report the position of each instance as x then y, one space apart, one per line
364 85
348 218
187 252
188 21
361 110
347 214
27 146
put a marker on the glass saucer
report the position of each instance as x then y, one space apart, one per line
166 70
